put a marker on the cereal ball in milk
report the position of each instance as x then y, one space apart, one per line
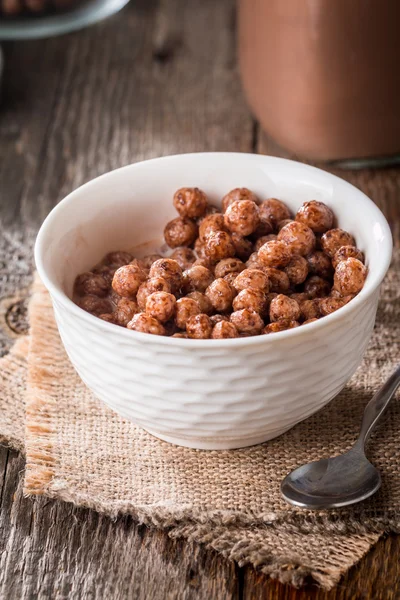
334 239
273 210
170 270
299 238
180 232
242 217
185 257
274 254
252 278
350 276
219 245
161 306
184 309
127 280
316 215
236 195
247 322
199 327
229 265
190 202
146 324
197 278
221 295
297 269
283 307
224 330
91 284
346 252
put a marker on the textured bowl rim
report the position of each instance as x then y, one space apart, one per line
371 286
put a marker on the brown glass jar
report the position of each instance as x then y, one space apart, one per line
323 76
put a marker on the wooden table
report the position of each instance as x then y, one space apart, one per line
159 78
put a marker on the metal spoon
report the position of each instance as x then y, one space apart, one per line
347 478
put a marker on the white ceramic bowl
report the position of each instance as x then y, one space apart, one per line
209 394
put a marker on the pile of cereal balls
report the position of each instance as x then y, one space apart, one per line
249 270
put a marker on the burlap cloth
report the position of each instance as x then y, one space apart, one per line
78 450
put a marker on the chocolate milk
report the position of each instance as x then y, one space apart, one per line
323 76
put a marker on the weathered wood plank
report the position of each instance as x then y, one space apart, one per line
377 577
53 550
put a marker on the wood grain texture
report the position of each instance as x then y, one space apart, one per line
158 78
55 550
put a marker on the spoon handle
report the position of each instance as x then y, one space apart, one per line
377 406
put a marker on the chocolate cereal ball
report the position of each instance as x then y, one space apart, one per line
283 307
281 325
190 202
124 311
127 280
220 294
347 252
148 260
273 210
94 305
236 195
320 264
154 284
316 287
278 280
243 246
109 318
180 232
230 278
316 215
185 257
310 321
91 284
161 306
334 239
251 299
199 327
200 248
184 309
203 301
218 318
263 240
224 330
170 270
274 254
299 238
211 224
350 276
229 265
117 259
146 324
254 262
105 271
330 304
282 224
247 322
310 309
242 217
299 297
204 262
252 278
297 269
219 245
197 278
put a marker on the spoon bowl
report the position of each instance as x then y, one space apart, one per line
344 479
332 482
